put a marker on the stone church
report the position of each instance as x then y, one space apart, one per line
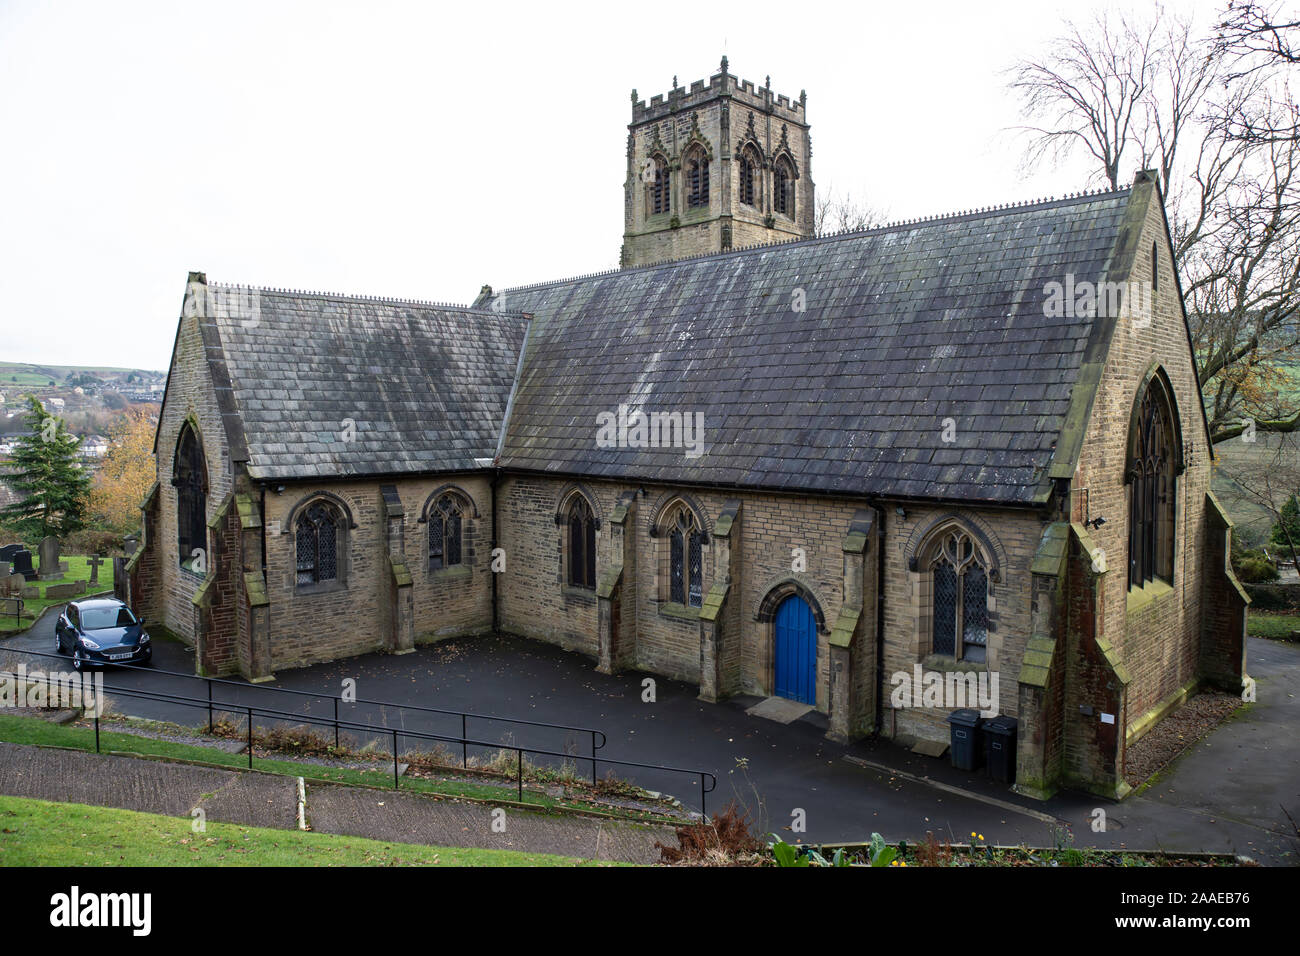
757 460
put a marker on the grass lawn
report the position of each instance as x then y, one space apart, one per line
33 730
1275 625
78 570
42 833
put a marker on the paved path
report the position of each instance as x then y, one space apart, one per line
266 800
1226 795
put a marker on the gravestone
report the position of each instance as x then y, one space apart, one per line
61 592
7 554
49 552
94 561
22 562
11 585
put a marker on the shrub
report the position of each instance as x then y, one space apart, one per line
933 853
725 841
1252 570
88 541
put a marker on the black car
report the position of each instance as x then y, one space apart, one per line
102 631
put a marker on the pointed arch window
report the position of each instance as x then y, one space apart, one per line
581 528
316 538
960 594
685 559
190 478
749 177
697 178
446 521
658 190
1151 496
783 187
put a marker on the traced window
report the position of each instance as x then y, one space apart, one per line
960 590
685 559
446 519
697 177
190 478
658 192
749 177
1151 495
783 187
582 543
316 538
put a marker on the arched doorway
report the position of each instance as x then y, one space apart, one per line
794 647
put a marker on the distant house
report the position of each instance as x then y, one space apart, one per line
9 443
8 496
93 446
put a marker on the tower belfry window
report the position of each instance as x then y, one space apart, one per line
697 179
659 193
783 187
748 175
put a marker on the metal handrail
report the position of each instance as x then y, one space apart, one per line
597 735
708 781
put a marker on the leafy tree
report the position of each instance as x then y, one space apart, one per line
126 473
1286 533
49 479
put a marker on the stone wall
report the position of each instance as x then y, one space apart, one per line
354 614
1010 539
1155 629
535 601
190 397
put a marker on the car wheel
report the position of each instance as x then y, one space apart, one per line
77 662
58 643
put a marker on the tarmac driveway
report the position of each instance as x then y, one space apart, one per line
1229 793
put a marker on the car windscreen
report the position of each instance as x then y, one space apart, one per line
98 618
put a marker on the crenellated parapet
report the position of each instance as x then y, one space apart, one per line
723 83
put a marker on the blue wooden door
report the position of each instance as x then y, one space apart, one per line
796 651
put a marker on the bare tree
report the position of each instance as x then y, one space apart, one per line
1257 35
1093 87
1157 94
1240 256
835 213
1255 39
1268 479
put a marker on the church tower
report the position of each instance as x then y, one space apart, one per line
721 165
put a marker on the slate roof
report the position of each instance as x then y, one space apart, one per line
426 385
905 326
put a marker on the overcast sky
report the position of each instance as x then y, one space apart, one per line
420 150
